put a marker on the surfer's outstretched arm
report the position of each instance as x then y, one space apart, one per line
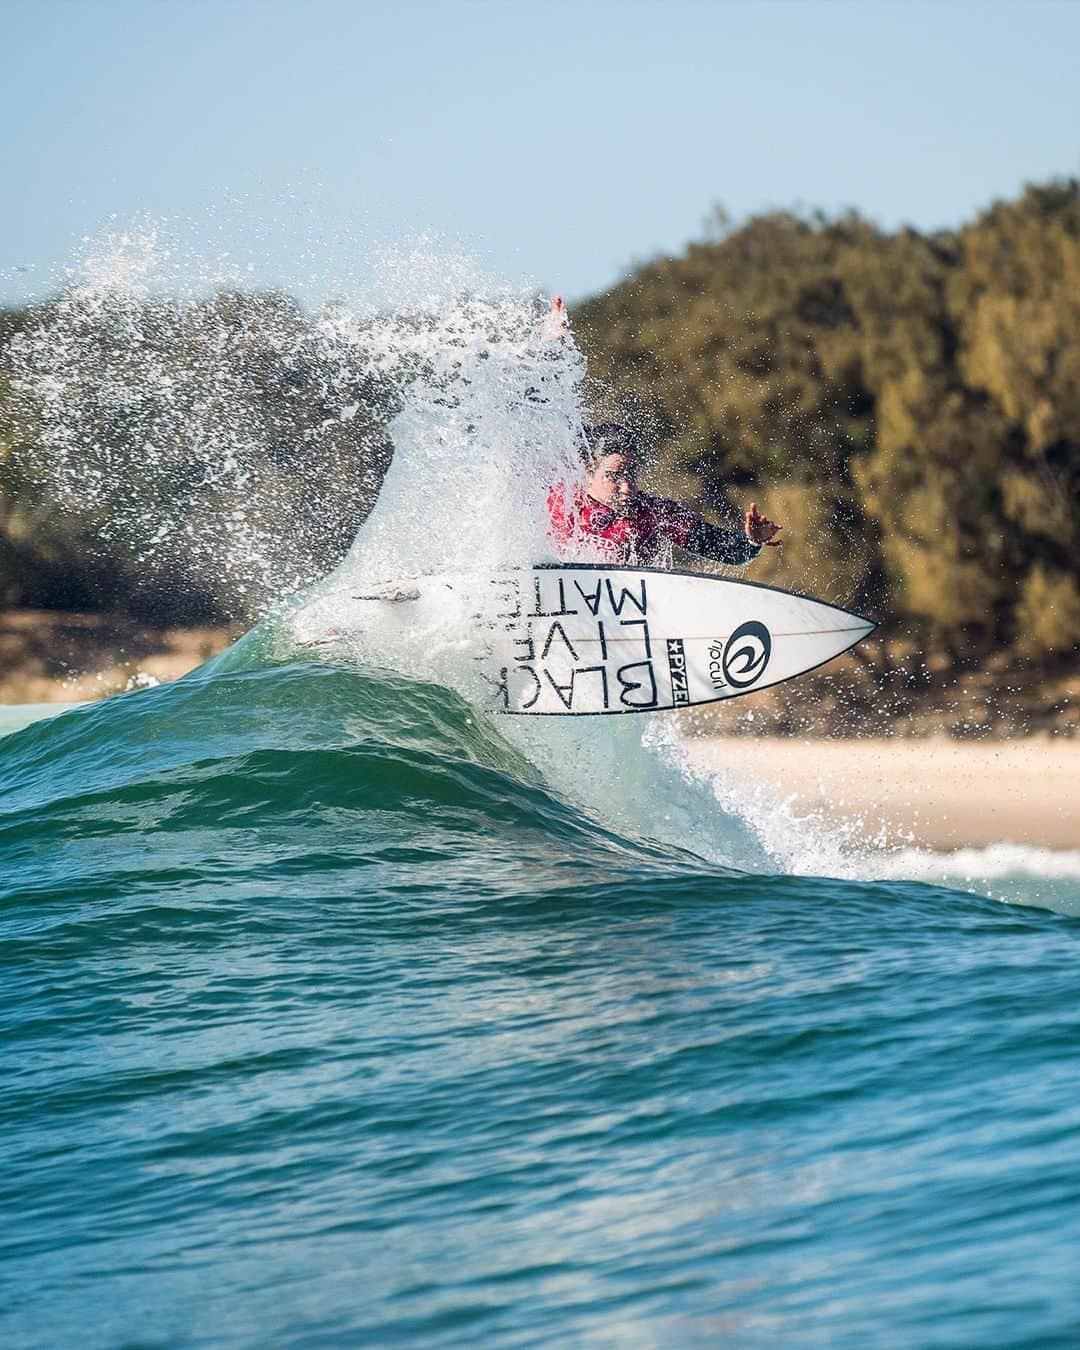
555 327
723 546
734 547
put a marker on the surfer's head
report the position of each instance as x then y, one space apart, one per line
610 455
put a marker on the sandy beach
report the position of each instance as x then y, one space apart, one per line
947 794
51 656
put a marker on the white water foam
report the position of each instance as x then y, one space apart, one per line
1018 873
203 434
797 841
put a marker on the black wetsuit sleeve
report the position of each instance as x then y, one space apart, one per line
724 546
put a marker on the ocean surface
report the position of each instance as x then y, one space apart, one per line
329 1020
338 1013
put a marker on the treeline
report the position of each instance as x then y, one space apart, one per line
908 404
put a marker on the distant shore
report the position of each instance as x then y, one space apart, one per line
52 656
944 794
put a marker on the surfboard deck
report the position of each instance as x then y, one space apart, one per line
586 639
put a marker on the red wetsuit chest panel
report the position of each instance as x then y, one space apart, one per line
640 536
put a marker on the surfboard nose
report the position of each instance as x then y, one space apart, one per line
824 633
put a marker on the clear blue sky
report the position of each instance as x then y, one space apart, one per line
562 141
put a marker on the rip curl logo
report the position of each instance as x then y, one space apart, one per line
746 654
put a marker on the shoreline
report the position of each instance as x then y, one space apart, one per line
932 792
57 656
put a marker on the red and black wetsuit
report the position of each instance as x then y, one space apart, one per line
643 536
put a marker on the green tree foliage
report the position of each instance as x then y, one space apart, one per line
908 404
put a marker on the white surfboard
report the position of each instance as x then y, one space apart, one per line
587 639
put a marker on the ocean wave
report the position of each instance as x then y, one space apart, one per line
351 758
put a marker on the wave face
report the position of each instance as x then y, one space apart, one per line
329 1020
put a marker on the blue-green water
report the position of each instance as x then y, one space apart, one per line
326 1023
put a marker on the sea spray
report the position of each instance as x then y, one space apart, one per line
489 420
207 446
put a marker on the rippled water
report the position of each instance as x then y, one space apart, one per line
327 1022
337 1013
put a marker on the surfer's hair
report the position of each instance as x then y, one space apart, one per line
606 438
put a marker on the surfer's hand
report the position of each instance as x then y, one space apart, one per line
557 322
760 529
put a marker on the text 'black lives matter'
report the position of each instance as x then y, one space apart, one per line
574 642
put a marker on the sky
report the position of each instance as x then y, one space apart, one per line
561 143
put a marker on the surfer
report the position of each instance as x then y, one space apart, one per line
630 526
626 525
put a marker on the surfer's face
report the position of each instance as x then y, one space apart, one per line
612 481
